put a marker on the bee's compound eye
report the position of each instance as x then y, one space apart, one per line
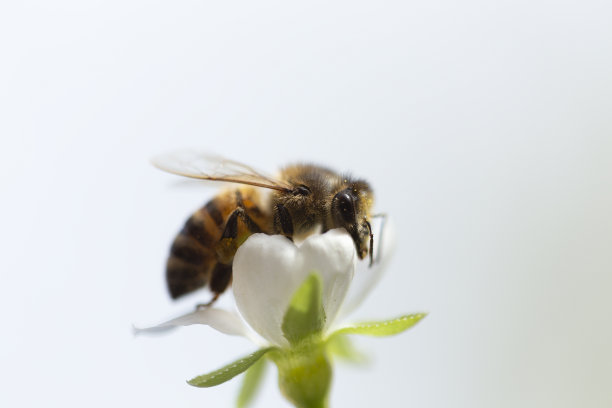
345 206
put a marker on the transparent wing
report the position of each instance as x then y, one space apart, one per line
205 166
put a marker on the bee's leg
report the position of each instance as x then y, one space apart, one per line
220 279
283 224
209 303
230 241
226 248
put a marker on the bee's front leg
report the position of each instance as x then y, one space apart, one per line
283 223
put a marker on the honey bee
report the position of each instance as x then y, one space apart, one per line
303 199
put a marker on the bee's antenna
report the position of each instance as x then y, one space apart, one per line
371 243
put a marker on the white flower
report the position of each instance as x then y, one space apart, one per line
267 271
291 296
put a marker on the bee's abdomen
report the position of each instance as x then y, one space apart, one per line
192 255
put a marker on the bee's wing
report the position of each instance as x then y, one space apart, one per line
204 166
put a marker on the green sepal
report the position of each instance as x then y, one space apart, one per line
383 328
251 382
304 374
229 371
305 316
341 346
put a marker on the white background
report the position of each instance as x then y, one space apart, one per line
484 127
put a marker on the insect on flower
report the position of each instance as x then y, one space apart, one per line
304 198
290 285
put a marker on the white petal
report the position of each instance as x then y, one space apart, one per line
366 277
267 270
332 253
225 321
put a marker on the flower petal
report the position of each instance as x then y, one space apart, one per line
333 255
267 270
225 321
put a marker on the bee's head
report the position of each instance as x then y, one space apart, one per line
350 210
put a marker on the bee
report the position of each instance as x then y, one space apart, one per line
302 200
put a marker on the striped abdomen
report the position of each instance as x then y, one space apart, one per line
194 260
